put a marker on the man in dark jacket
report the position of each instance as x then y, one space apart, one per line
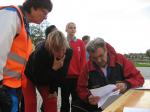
104 67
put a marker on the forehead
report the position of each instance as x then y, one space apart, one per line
70 25
98 52
86 40
59 48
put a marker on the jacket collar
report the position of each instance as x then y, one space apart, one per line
73 39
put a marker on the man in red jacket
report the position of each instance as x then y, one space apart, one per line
104 67
77 62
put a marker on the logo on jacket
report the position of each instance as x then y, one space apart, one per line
78 49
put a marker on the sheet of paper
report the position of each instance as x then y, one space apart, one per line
105 97
133 109
104 93
143 88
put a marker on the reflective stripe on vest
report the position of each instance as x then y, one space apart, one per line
12 73
17 58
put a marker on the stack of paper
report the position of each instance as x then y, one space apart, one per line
133 109
104 93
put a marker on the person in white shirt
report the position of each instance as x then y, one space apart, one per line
14 22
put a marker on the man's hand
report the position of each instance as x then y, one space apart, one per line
93 100
57 64
121 86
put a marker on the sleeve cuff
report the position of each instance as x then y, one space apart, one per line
128 85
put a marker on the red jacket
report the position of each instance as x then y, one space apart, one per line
78 59
121 69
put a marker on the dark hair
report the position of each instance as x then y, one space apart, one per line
49 30
46 4
86 37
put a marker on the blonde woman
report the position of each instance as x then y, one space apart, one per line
46 69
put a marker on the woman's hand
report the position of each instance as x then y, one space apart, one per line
57 64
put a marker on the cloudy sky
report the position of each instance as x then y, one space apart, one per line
125 24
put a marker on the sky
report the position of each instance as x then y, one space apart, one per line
125 24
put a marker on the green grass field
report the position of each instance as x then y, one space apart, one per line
142 64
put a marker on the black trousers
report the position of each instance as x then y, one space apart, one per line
81 106
5 101
68 88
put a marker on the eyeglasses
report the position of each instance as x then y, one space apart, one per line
45 12
98 55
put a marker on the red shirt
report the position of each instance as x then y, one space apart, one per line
78 59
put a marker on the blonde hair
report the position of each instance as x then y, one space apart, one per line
55 41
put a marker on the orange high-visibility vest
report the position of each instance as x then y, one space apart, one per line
17 57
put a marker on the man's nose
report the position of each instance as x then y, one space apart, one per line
99 59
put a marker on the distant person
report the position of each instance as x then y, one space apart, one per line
16 46
104 67
46 70
49 29
86 39
78 60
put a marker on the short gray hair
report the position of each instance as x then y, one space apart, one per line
68 24
93 45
